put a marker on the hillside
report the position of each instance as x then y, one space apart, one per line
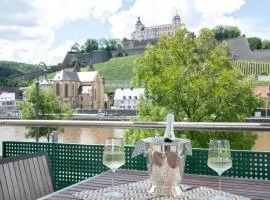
120 68
8 68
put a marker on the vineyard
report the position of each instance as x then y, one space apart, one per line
252 67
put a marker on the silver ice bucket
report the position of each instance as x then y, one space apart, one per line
166 163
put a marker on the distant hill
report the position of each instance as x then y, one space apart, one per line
8 68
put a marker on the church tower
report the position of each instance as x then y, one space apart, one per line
139 26
176 20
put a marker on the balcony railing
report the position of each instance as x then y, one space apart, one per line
211 126
72 163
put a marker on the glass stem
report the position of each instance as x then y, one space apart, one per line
219 180
113 172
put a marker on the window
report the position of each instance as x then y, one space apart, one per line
129 106
57 88
122 101
66 90
72 90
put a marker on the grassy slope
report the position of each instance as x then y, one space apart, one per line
121 68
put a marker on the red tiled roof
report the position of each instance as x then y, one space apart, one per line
261 90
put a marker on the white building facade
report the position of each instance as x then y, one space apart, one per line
152 32
7 100
7 104
127 98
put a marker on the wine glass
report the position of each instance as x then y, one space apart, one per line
113 158
219 159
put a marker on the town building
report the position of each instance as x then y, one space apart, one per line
128 98
7 100
153 32
7 103
83 90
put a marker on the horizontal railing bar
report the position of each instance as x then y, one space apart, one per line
221 126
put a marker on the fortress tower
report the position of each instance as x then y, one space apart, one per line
153 32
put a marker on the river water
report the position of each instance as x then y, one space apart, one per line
96 136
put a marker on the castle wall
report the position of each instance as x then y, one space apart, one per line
137 51
87 58
136 44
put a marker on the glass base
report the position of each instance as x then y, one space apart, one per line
113 194
172 191
219 197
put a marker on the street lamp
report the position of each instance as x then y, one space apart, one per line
41 64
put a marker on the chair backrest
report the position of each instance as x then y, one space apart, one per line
25 177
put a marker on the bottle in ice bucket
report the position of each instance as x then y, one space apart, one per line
169 133
166 161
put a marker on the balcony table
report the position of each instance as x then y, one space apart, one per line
254 189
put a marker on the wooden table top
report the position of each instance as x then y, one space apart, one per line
254 189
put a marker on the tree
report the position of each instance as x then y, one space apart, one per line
226 32
266 44
90 45
103 43
110 44
49 108
193 78
255 43
75 48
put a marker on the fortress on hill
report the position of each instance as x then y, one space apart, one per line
142 35
153 32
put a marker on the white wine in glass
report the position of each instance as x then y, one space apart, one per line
219 159
113 158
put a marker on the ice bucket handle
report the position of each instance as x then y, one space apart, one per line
142 145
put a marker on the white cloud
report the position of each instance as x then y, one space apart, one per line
55 13
194 13
214 8
27 32
27 27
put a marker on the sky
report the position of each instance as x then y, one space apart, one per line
32 31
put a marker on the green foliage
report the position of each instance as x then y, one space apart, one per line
8 68
94 44
193 78
90 45
110 44
266 44
255 43
49 108
75 48
226 32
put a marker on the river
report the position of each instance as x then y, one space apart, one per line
96 136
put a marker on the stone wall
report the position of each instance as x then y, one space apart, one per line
87 58
134 44
131 52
